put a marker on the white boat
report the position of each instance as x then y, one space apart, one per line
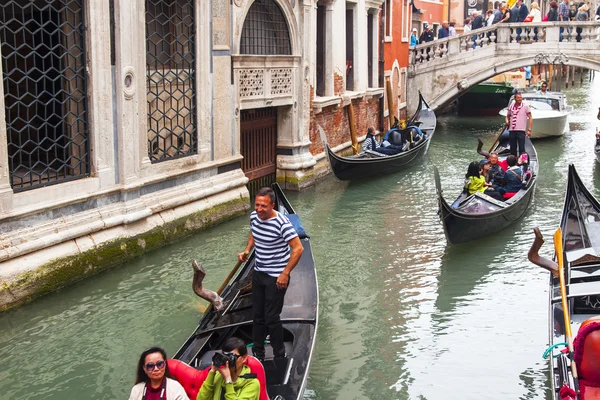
550 113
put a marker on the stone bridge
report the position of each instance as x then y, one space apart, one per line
444 69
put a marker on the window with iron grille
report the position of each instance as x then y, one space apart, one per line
265 30
43 73
170 66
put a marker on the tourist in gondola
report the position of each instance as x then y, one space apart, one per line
516 119
278 249
153 379
513 178
475 181
496 172
229 377
370 142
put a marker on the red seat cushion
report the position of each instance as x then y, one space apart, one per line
192 379
508 195
257 368
189 377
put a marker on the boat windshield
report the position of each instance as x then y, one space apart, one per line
541 103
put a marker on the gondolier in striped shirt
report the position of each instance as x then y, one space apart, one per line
277 249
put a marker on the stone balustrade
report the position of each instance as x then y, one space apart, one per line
538 37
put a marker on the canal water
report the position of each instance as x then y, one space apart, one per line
402 314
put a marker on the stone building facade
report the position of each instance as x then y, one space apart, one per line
131 123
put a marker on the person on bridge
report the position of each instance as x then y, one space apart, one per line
563 15
476 24
467 26
489 18
523 11
498 14
427 35
444 31
505 13
413 38
272 235
516 119
452 29
552 15
535 12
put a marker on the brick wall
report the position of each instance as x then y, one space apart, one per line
335 122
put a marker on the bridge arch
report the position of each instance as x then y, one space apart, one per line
444 69
463 85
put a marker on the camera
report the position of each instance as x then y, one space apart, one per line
221 357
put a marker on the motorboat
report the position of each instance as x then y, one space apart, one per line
550 113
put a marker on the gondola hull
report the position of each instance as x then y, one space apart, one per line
581 238
370 165
462 227
477 216
285 377
346 169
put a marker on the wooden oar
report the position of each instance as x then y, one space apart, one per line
231 274
558 248
498 137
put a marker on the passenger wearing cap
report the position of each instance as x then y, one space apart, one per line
413 38
427 35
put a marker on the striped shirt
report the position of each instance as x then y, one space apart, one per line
271 246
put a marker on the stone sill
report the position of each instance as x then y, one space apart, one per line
348 96
319 103
374 92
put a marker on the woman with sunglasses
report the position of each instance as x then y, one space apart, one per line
153 380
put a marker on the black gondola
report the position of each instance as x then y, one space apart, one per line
371 163
285 377
580 225
475 216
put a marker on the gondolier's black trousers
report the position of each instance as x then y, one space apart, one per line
514 138
267 303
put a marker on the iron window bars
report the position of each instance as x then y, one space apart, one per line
43 71
265 30
170 66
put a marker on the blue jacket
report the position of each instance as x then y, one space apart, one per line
523 13
413 40
513 179
443 33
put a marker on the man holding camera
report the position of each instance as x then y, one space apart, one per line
277 249
230 375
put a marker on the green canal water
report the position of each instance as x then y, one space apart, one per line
401 316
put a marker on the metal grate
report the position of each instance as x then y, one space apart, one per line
265 30
170 66
43 71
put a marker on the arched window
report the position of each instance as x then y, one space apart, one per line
265 30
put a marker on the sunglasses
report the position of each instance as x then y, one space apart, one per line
160 365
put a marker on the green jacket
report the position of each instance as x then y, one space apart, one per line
241 389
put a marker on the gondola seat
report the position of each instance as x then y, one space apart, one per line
192 379
508 195
587 358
